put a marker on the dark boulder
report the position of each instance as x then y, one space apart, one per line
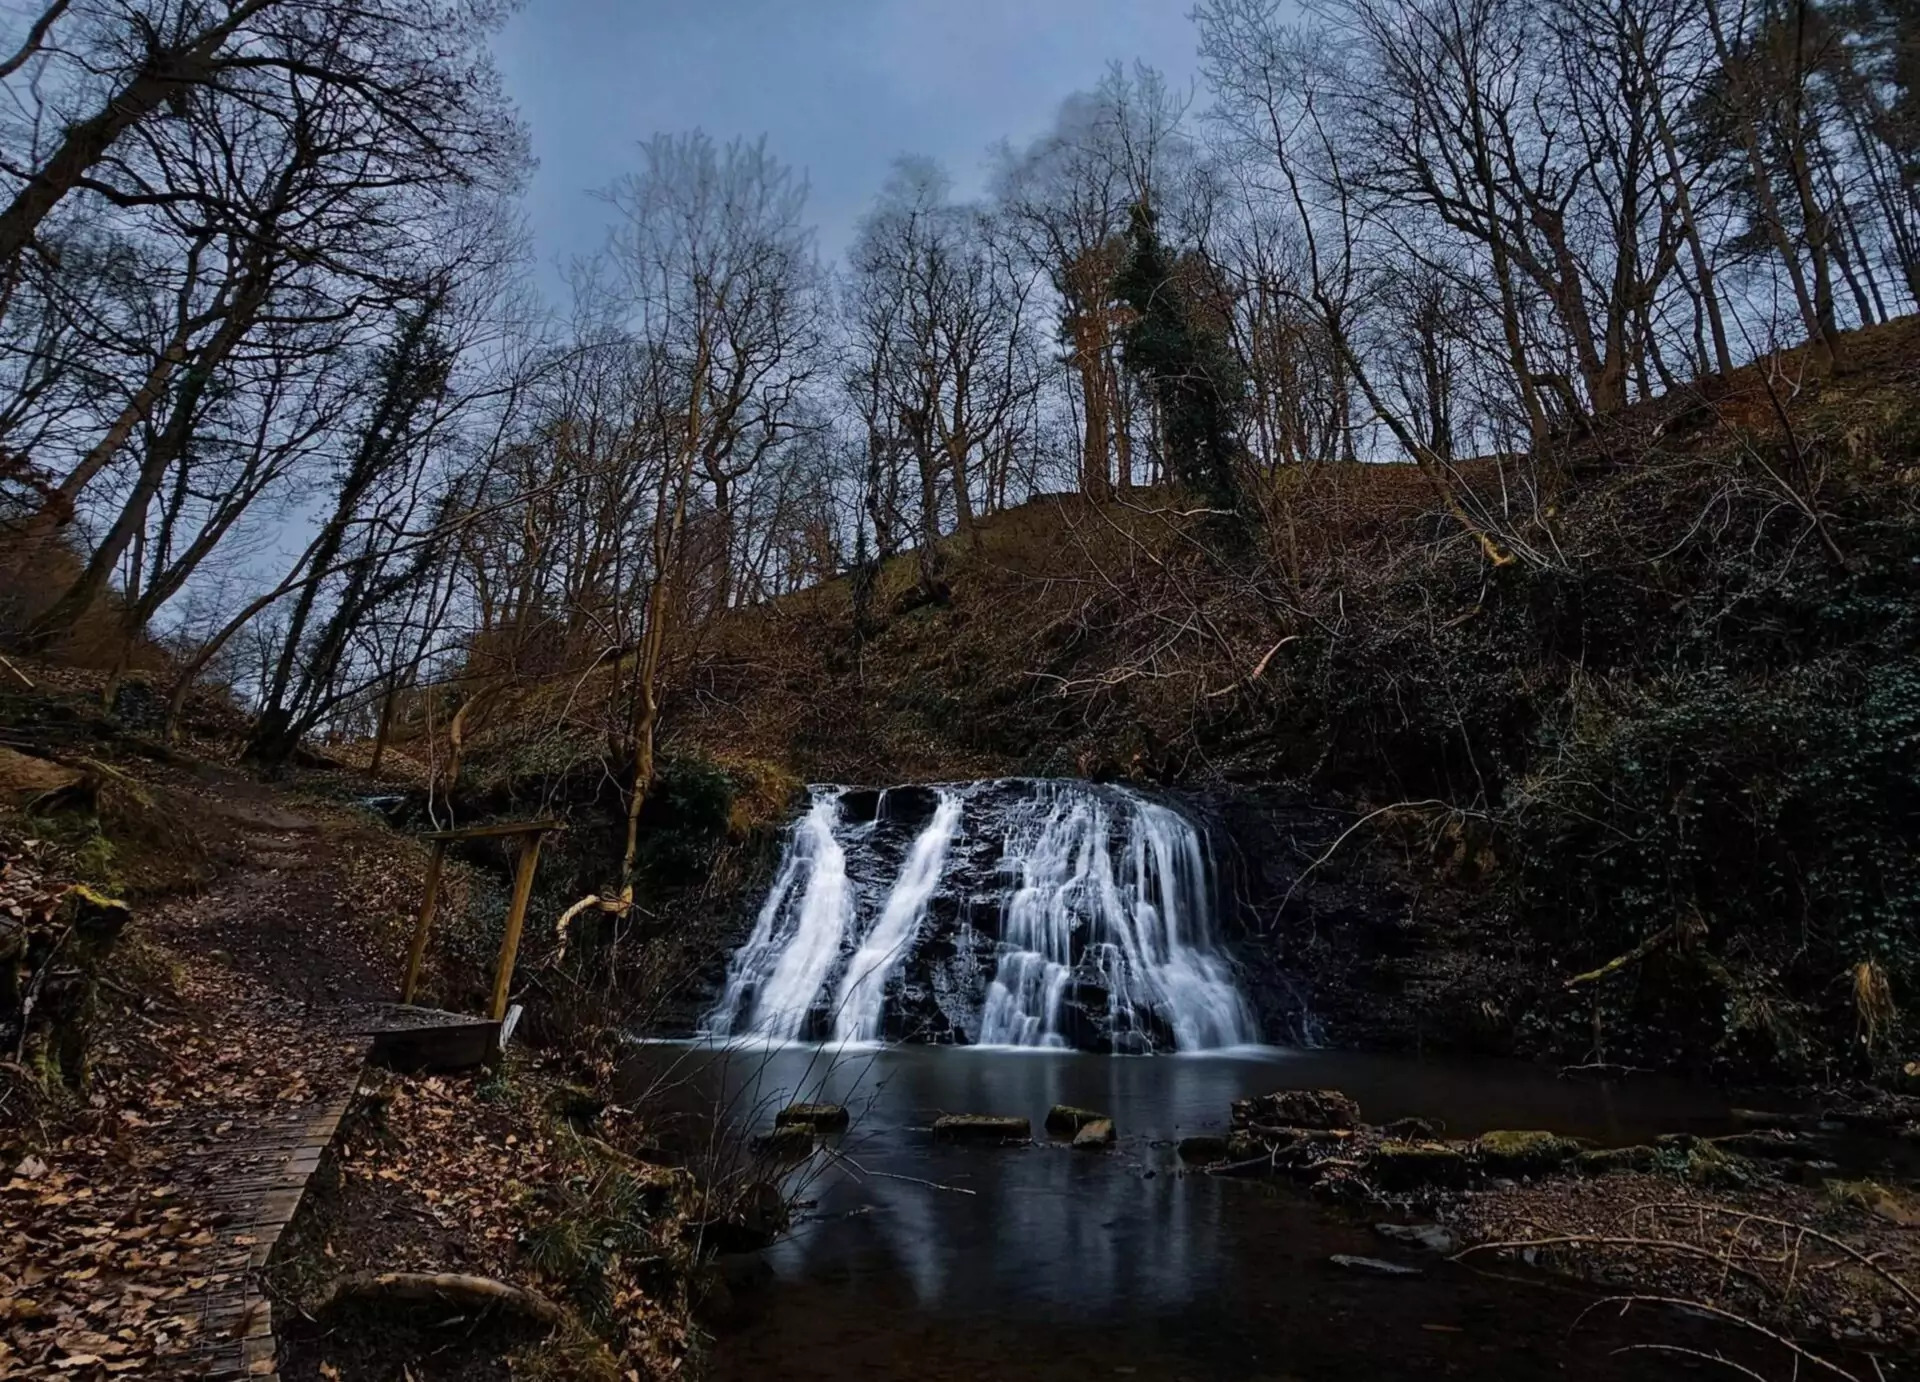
1317 1109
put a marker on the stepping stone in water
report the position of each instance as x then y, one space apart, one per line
981 1127
1064 1120
818 1117
1095 1136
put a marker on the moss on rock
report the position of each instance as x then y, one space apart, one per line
1531 1153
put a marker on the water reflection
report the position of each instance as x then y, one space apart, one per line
971 1229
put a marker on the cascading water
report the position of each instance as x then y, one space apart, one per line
1023 913
1117 886
796 939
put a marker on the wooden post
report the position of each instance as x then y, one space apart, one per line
418 952
516 919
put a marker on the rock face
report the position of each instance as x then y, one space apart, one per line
981 1127
1317 1109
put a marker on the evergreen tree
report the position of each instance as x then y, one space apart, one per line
1184 360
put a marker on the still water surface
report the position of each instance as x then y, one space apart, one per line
915 1259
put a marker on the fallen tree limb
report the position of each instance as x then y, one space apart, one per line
446 1288
1664 936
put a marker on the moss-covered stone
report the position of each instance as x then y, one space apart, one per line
981 1127
1400 1166
1064 1120
1605 1161
1717 1169
1532 1153
818 1117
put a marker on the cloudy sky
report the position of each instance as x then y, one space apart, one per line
839 87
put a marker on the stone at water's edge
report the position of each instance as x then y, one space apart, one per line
1095 1135
1373 1266
1412 1165
1316 1109
818 1117
1609 1159
1429 1236
1064 1120
981 1127
1524 1153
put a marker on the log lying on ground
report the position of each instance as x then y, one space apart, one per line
446 1288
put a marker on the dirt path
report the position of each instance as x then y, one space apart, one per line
133 1244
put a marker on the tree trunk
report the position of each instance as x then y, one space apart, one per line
164 74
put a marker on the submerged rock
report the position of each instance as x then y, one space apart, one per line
1095 1135
1203 1147
1064 1120
757 1215
1373 1266
788 1143
818 1117
1317 1109
1524 1153
981 1127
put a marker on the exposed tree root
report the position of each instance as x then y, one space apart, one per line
447 1288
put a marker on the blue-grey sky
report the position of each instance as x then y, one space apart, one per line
839 87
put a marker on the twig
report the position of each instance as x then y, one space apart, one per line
1600 1240
1864 1259
890 1175
1740 1368
1730 1317
25 681
1258 670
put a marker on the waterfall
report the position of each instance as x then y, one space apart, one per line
1118 886
796 940
1023 913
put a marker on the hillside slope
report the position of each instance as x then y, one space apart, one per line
1625 744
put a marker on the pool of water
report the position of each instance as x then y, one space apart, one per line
915 1259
